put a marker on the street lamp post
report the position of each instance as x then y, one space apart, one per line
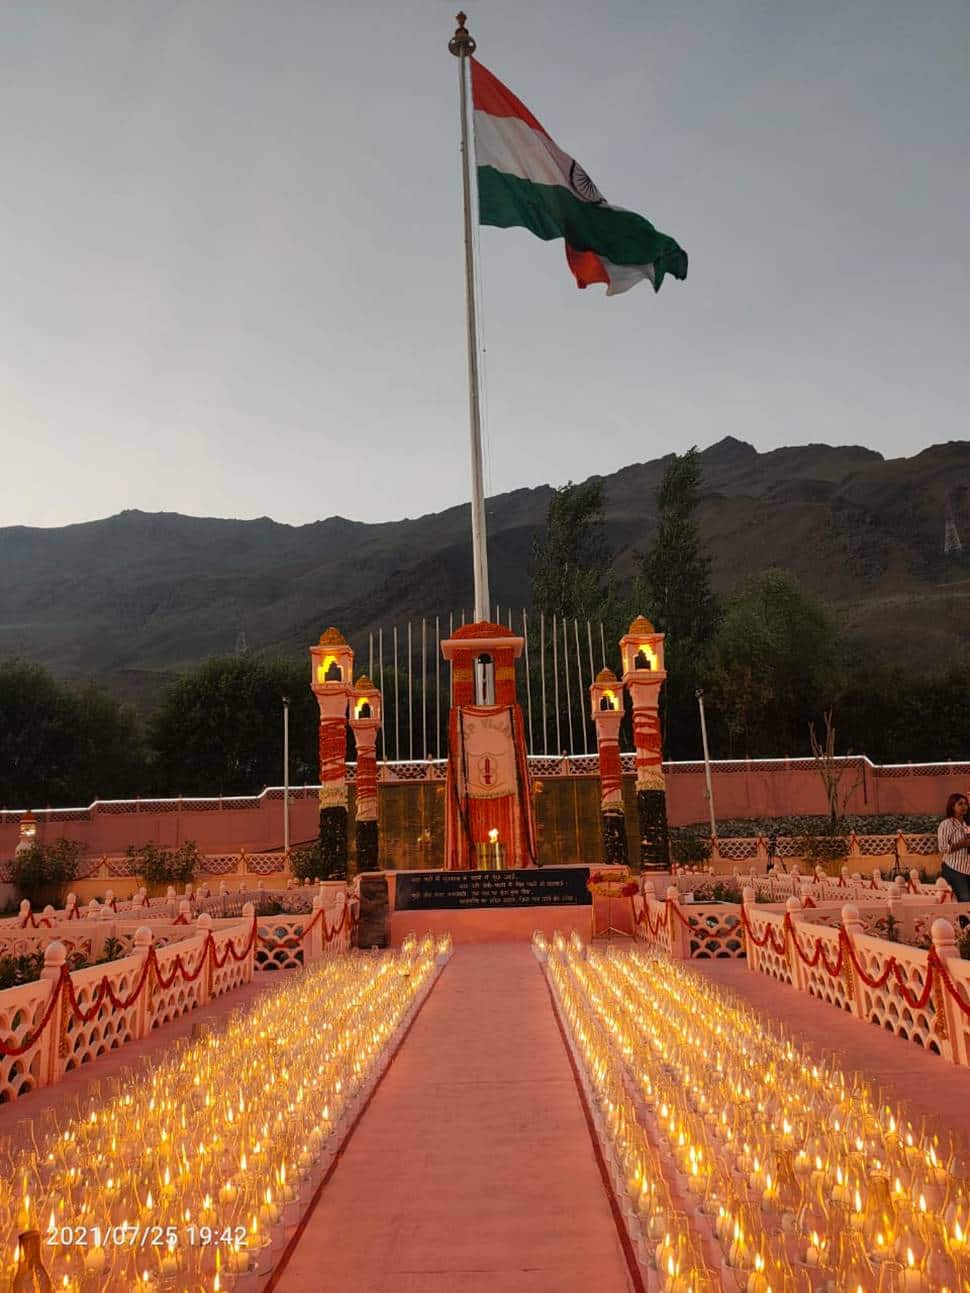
709 793
286 774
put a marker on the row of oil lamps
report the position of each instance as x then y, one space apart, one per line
192 1175
743 1163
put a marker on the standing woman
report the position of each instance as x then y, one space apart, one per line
953 841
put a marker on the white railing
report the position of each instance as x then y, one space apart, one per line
687 930
687 925
921 994
69 1018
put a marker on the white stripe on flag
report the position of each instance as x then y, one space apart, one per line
623 277
511 146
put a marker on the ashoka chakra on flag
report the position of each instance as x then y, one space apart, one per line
525 179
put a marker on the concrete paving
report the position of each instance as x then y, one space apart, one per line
472 1168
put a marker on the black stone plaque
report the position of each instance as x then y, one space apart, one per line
449 890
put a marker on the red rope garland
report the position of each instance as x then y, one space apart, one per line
105 990
12 1052
891 970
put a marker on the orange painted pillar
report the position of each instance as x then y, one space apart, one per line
606 709
643 676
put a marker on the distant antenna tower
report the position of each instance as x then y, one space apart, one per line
242 646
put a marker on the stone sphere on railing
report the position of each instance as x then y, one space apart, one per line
944 939
943 890
248 910
851 918
70 902
793 904
748 895
185 909
204 922
143 938
25 909
55 954
170 891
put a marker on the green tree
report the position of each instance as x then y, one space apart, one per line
63 746
218 729
774 666
571 561
675 572
674 590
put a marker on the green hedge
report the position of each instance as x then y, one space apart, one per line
861 823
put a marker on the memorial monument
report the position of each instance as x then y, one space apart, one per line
489 820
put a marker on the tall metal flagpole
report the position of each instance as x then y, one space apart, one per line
462 46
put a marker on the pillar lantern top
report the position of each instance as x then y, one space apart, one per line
605 696
331 665
642 650
365 703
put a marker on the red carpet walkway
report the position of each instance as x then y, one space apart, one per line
935 1088
472 1169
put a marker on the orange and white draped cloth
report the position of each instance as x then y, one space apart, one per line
611 776
365 783
333 763
646 740
488 786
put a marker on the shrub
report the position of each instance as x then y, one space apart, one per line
165 866
26 968
689 845
15 970
824 846
306 863
113 948
43 867
717 891
796 826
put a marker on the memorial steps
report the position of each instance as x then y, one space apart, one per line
472 1168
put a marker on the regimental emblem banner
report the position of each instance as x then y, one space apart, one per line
489 749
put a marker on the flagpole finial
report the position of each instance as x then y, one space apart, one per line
461 44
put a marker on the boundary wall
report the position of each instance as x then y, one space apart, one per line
567 807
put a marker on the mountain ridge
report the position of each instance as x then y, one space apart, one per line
132 598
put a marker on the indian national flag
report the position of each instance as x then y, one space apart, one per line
525 178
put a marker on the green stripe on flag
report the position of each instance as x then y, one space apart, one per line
552 211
